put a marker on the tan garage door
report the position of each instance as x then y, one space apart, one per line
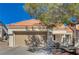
19 40
24 39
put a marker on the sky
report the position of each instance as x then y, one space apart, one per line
13 12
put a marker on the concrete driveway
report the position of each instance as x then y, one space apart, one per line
15 51
20 51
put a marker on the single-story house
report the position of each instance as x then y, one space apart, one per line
24 33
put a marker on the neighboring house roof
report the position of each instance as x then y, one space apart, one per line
63 27
68 29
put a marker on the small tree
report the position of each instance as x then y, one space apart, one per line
54 13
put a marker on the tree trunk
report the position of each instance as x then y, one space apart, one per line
74 35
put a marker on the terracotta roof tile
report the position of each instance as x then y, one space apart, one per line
28 22
62 27
25 23
36 22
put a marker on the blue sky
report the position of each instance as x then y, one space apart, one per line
13 12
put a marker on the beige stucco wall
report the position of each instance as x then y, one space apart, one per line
11 41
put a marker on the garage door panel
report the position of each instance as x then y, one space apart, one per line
26 40
19 40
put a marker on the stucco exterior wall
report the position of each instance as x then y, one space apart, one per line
19 39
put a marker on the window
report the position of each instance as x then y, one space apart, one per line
54 37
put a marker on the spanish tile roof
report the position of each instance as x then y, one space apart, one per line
68 29
31 22
28 22
62 27
37 22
